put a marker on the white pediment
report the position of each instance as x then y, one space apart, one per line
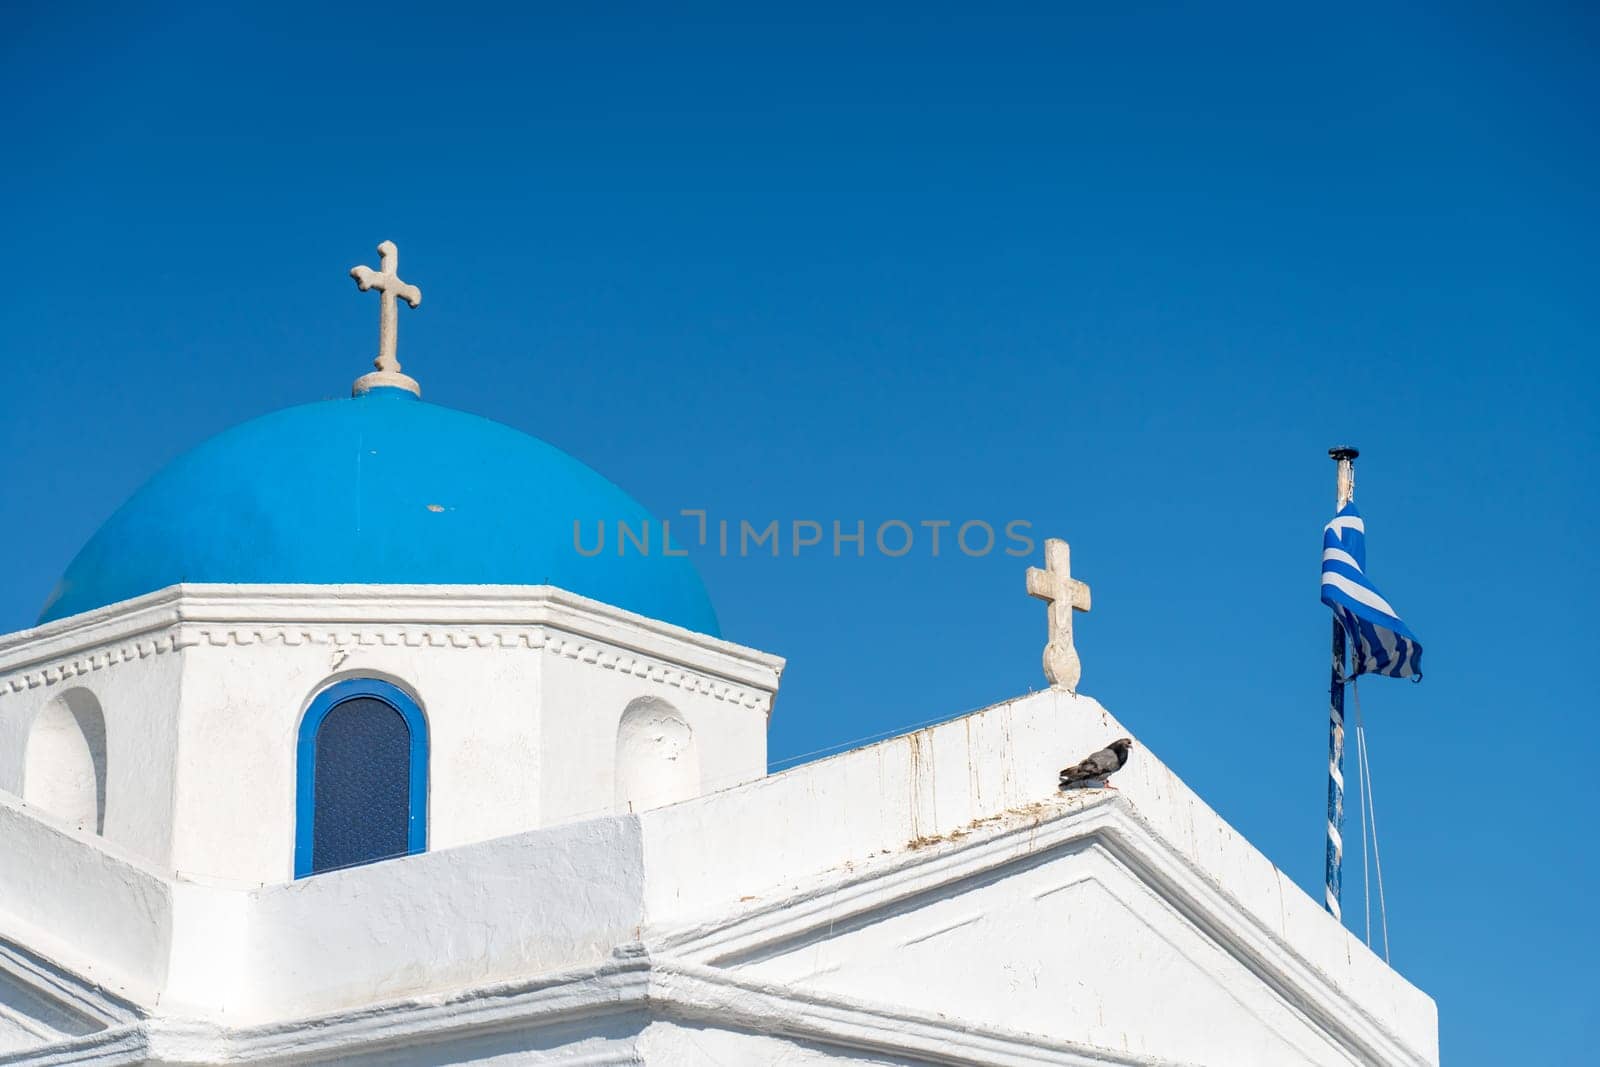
1070 939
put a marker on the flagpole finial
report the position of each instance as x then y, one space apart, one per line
1345 456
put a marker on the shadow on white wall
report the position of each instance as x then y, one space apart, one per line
64 770
657 760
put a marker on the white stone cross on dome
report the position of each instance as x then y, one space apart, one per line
1065 594
387 281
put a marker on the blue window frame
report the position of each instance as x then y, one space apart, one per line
361 777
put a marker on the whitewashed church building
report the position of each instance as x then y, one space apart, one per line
329 747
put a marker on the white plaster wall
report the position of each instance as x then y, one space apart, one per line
204 687
72 898
524 905
657 756
582 708
519 738
64 768
242 705
138 699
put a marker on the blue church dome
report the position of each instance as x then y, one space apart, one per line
379 488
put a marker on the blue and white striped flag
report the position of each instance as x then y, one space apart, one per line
1380 642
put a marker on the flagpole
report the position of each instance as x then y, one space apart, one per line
1334 865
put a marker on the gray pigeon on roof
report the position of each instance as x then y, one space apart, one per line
1106 762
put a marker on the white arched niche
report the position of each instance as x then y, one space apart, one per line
657 760
64 767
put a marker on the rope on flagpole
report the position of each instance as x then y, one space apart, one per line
1361 780
1370 813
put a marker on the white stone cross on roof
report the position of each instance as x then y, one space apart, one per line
1055 583
387 281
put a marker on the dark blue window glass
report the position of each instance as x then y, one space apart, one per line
362 784
362 770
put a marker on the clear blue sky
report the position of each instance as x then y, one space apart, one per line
1123 275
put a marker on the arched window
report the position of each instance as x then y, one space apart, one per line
657 759
362 777
64 765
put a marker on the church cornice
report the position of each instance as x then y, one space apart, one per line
461 617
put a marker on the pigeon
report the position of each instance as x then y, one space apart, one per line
1106 762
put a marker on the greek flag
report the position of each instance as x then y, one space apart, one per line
1380 642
